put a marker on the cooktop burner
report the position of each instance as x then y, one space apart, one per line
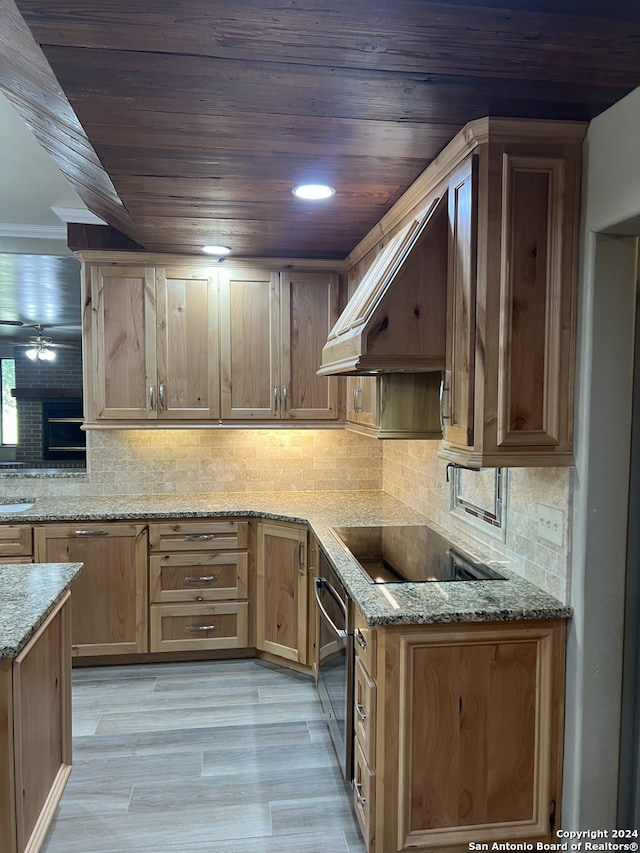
415 554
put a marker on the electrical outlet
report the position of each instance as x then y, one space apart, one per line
551 524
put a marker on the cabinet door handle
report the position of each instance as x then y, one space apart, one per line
197 537
360 711
275 399
357 391
161 396
360 640
361 800
152 398
90 533
443 391
197 628
284 398
203 579
301 556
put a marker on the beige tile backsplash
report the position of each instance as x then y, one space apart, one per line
249 460
415 475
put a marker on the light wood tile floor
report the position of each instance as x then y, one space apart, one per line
215 757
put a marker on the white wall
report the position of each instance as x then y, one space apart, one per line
611 199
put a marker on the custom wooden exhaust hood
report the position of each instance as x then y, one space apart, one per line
396 319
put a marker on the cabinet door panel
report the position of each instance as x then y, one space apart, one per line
109 596
14 539
187 344
250 343
534 317
42 727
281 609
309 309
479 757
461 325
124 345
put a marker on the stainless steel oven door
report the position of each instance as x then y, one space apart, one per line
334 659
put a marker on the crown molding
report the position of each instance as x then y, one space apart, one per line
38 232
77 214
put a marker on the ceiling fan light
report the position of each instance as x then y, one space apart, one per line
313 192
46 355
32 354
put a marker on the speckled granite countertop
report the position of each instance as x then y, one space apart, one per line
28 593
409 603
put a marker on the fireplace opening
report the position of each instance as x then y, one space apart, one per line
62 437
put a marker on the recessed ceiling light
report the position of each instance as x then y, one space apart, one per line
216 250
313 192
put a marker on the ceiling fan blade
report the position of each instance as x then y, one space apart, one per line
11 323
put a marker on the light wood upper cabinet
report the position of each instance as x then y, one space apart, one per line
109 597
513 216
249 344
151 343
308 310
281 591
273 327
187 344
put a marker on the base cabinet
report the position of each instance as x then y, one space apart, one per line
198 580
281 591
109 601
15 543
468 734
35 733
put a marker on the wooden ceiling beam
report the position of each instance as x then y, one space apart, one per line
30 85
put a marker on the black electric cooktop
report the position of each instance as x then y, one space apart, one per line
410 554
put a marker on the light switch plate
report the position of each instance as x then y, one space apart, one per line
551 524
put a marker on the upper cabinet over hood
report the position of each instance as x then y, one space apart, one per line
396 318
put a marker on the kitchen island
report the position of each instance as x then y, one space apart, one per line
35 699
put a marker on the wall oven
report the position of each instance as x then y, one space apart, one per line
334 660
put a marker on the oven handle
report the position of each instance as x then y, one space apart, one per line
323 583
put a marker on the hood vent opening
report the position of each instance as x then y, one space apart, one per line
396 319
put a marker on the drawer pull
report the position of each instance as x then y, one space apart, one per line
90 533
197 537
360 711
360 640
203 579
361 800
196 628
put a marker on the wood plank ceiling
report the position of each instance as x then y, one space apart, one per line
205 113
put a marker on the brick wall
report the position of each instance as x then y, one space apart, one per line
64 372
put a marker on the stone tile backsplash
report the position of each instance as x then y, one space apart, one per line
415 475
176 461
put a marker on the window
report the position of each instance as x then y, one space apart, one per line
8 410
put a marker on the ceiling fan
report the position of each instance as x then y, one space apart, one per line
39 347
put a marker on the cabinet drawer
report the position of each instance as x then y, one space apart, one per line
185 627
201 535
364 712
363 794
15 540
364 641
208 576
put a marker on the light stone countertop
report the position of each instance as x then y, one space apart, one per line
408 603
28 593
